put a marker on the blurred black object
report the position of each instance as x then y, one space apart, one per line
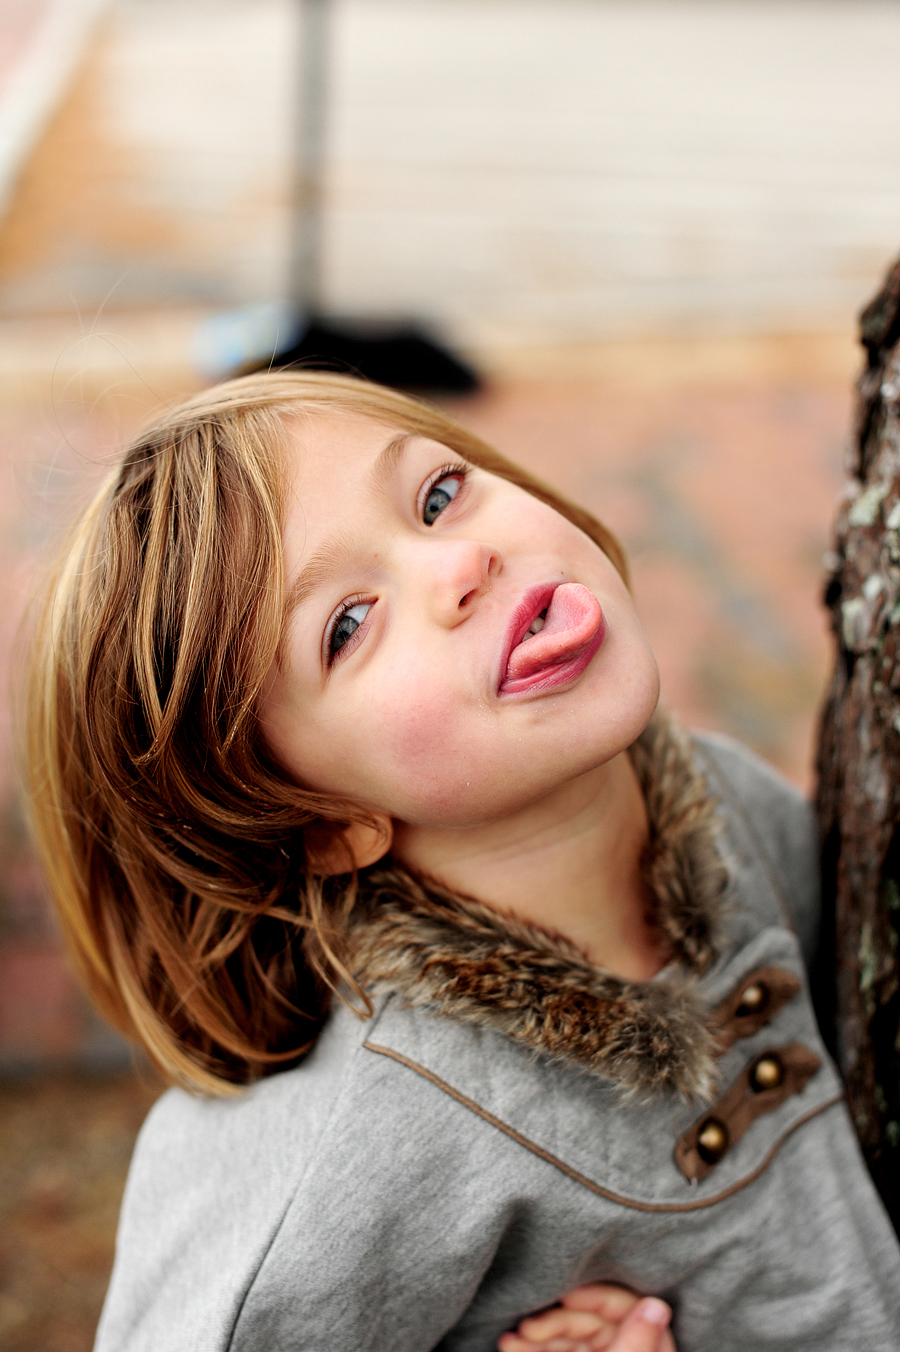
400 353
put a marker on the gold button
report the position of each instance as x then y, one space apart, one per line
753 999
712 1140
768 1073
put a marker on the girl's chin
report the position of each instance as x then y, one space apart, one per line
643 708
507 798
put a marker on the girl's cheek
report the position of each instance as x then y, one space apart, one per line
428 748
423 725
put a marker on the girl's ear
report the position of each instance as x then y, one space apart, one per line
362 842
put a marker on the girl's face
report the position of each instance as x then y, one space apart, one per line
405 680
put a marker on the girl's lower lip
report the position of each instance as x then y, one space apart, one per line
562 673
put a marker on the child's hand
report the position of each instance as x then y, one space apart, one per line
595 1319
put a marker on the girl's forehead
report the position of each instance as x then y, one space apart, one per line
325 447
338 429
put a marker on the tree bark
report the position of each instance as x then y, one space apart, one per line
857 983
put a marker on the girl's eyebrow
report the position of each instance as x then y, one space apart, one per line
329 556
323 563
389 458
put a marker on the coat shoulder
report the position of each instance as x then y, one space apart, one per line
315 1161
777 822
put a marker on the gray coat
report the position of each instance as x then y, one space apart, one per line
477 1148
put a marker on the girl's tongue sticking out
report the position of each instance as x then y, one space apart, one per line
553 651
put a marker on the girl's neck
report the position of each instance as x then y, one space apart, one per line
570 863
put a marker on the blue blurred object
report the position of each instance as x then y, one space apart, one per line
249 337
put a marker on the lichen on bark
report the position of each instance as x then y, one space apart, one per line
857 980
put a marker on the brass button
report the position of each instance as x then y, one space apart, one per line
753 998
712 1140
768 1073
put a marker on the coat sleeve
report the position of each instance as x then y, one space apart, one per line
346 1206
390 1232
783 826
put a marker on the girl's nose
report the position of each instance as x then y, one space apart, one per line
455 574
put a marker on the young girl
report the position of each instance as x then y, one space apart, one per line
350 786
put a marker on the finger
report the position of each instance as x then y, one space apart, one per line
513 1342
604 1340
609 1302
559 1323
644 1329
566 1345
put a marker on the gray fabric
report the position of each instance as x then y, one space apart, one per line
778 834
419 1183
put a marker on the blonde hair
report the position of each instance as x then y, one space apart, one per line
174 844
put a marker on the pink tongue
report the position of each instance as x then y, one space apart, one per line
572 620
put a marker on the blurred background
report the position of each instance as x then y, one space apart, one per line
648 225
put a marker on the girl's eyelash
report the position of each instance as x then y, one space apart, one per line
456 471
347 604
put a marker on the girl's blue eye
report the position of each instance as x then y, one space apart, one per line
347 625
440 495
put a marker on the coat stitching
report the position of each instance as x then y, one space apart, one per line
573 1173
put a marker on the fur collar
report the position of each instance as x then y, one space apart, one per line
432 947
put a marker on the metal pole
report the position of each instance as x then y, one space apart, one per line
396 353
305 279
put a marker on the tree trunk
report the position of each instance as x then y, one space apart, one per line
857 983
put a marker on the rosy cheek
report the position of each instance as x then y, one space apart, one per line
423 739
418 725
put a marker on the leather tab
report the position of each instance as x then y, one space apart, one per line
747 1099
734 1018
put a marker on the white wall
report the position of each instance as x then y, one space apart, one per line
523 170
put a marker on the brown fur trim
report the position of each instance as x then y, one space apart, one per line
467 961
682 866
